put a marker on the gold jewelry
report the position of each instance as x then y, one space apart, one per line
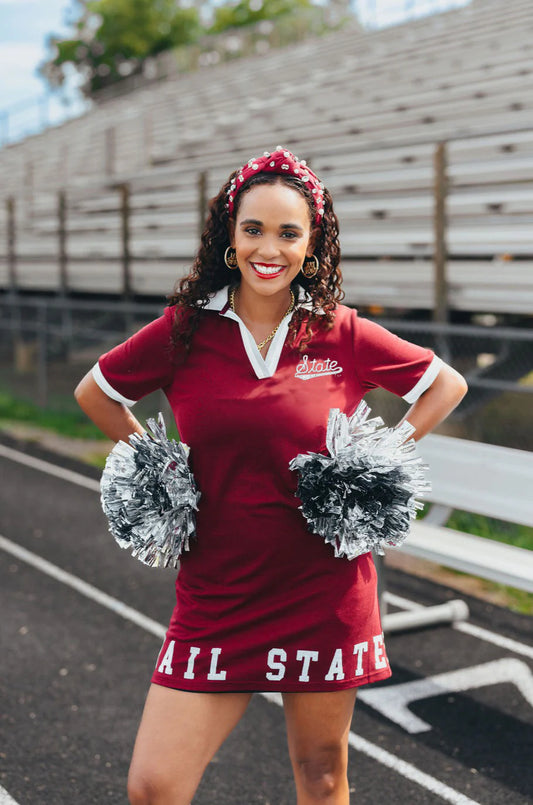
231 258
310 267
265 341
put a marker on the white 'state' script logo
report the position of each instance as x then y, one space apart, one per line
307 369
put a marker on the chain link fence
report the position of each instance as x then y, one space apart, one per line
48 344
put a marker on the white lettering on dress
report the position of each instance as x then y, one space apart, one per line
358 649
166 662
380 661
277 657
336 671
193 653
306 369
213 673
306 656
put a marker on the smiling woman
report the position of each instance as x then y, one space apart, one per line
253 352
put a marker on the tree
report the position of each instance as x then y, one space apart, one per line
248 12
112 38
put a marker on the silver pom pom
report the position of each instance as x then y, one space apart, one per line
361 497
149 496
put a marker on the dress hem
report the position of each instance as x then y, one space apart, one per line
249 687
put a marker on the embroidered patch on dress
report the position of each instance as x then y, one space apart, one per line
307 370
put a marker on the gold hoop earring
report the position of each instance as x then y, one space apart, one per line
230 258
310 267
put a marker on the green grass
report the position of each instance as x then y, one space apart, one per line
520 536
66 423
490 528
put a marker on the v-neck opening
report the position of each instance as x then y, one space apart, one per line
267 366
263 367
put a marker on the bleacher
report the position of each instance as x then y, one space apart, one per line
365 109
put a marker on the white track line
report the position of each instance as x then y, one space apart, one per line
83 587
395 600
51 469
359 744
408 771
468 628
5 799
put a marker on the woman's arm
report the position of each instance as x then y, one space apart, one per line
113 418
434 405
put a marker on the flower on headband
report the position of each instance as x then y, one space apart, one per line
283 162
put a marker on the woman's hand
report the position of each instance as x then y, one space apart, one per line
113 418
434 405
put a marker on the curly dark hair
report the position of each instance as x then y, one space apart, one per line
209 273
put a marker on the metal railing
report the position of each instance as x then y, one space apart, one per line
48 343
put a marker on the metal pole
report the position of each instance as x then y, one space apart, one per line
13 286
66 316
62 240
440 190
124 190
202 201
42 357
11 244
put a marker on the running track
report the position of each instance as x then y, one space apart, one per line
82 624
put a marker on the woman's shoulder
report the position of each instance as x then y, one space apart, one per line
345 317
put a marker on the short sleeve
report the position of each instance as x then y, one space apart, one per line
386 360
139 365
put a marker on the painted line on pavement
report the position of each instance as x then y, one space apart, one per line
396 600
373 751
48 467
83 587
5 798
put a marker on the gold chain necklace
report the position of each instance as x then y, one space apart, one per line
276 328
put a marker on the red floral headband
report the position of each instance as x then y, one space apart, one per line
283 162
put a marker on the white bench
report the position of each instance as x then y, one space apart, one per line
479 478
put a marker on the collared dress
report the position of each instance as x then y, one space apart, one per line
262 604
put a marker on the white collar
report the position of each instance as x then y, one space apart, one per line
219 299
263 367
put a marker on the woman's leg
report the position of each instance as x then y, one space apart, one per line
180 731
318 725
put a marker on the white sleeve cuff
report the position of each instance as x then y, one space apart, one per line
425 381
108 389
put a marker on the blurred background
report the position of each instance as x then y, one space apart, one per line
120 119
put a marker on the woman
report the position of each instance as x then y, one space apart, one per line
252 352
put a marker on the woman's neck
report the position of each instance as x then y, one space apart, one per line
262 310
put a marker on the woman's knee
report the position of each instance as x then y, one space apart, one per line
322 771
152 789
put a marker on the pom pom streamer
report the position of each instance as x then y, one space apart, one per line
149 496
361 497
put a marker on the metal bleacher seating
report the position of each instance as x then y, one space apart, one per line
365 109
481 478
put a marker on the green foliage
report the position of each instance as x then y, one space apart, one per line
511 533
67 423
248 12
112 38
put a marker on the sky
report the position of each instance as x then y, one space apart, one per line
25 25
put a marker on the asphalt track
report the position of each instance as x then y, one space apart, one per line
80 632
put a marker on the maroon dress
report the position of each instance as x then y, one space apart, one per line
262 604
